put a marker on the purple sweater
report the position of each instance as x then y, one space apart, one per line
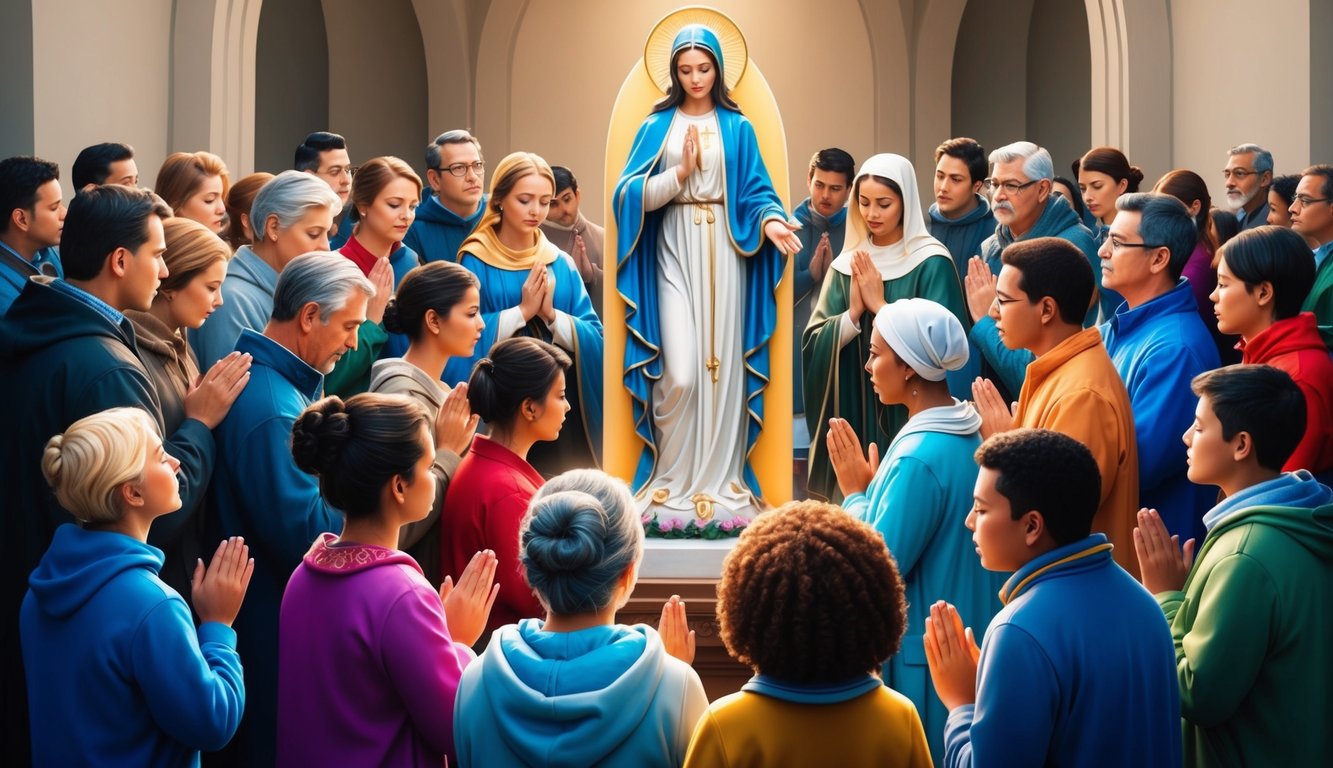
367 670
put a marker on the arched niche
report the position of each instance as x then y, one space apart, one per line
16 89
376 78
292 80
212 80
542 87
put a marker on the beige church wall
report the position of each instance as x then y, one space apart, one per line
1241 74
1059 69
990 72
292 79
541 88
101 73
377 79
16 88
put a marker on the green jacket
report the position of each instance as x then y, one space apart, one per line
1253 631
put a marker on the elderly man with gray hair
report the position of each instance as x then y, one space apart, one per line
1024 209
319 303
1248 175
291 215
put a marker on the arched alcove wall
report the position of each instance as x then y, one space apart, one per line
16 137
291 79
377 78
539 90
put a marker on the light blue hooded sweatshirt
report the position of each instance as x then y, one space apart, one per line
604 696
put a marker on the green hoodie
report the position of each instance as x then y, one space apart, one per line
1253 631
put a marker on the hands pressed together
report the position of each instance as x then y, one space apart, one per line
468 605
674 629
1162 562
854 470
538 299
953 655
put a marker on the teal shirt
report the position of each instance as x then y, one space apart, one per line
919 501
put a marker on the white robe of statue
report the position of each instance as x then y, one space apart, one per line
699 403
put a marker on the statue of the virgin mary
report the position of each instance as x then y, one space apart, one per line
700 245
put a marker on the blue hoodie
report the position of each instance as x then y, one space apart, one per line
247 294
964 235
1078 669
438 232
606 695
117 674
1158 348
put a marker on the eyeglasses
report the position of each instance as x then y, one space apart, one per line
1239 174
1119 245
1305 200
1009 187
335 171
461 169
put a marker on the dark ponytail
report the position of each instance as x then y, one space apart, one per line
517 369
438 285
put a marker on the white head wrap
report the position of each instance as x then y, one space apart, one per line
924 335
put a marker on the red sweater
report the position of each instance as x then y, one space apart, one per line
485 503
1294 345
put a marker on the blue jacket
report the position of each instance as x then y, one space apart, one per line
260 494
1056 220
438 232
1078 669
13 274
65 355
605 695
117 674
247 303
919 501
1158 348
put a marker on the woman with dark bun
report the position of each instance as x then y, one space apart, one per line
577 688
1103 175
438 309
519 391
369 659
811 601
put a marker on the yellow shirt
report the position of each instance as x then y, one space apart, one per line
880 729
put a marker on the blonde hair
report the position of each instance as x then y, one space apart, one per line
87 465
515 166
373 176
183 172
191 248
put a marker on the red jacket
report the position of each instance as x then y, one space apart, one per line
1294 345
483 507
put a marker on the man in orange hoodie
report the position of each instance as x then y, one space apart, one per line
1045 287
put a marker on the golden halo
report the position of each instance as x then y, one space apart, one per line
657 51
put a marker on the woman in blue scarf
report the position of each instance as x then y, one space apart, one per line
702 237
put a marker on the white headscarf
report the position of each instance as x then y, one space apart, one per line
917 244
924 335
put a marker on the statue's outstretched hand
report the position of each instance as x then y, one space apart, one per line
782 234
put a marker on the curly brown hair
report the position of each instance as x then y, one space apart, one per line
811 595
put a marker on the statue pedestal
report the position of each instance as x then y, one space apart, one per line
690 568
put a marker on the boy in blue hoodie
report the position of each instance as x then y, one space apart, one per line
1077 668
1250 620
117 673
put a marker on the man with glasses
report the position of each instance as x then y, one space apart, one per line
456 173
324 154
1158 344
1024 209
1312 216
1072 386
1248 175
